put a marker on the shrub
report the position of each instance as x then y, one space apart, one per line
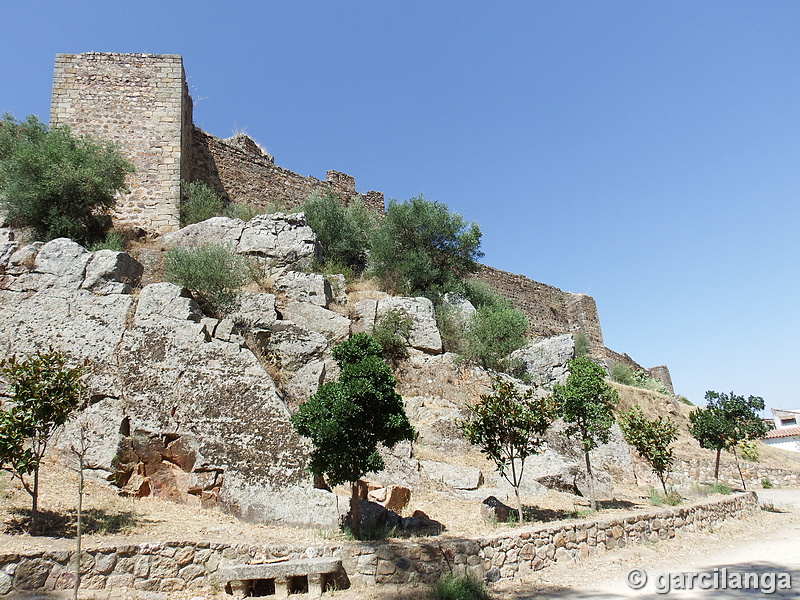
422 248
582 345
200 202
58 184
450 329
454 587
113 241
493 333
622 373
237 210
766 483
392 333
749 450
342 231
670 498
212 274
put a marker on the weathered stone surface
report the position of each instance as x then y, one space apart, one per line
254 310
6 583
458 477
217 230
304 382
110 272
338 288
31 573
459 308
332 325
391 497
424 334
545 359
281 239
160 300
291 346
7 250
362 316
62 262
304 287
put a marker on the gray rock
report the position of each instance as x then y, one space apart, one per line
290 346
424 334
304 382
23 258
545 359
6 235
6 583
282 240
254 311
304 287
110 272
362 316
459 308
62 262
166 300
338 288
7 250
217 230
458 477
332 325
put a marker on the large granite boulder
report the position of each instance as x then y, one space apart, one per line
545 360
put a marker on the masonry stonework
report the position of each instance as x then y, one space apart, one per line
139 102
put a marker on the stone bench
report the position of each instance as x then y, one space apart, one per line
311 575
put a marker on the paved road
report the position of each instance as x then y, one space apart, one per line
773 549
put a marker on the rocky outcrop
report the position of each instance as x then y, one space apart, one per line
424 334
279 239
544 360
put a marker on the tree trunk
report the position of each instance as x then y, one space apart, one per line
736 456
716 466
590 479
355 512
663 483
35 502
519 505
515 481
78 530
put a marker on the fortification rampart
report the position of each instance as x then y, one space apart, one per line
239 171
139 102
550 311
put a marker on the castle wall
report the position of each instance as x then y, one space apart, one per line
139 102
550 311
239 171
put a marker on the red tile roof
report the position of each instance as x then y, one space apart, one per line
782 432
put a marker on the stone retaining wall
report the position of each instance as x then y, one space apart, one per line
754 473
173 566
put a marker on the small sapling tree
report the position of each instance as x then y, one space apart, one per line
727 420
509 425
652 439
348 418
44 393
586 403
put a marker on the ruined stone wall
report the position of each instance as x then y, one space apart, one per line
550 311
139 102
239 171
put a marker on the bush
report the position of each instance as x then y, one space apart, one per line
493 333
237 210
200 202
421 248
749 450
583 346
58 184
113 241
450 329
342 231
453 587
622 373
766 483
671 498
392 333
211 273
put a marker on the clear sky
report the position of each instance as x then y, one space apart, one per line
645 153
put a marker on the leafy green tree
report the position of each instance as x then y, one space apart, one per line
342 231
726 420
58 184
652 439
392 333
586 404
509 425
420 247
213 274
44 393
348 418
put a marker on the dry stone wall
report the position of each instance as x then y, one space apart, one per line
139 102
176 566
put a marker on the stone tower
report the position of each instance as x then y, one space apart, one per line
140 102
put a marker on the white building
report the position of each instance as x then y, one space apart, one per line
786 434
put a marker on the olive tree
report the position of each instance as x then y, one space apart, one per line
44 392
509 425
348 418
56 183
586 402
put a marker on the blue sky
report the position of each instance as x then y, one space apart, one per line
645 153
